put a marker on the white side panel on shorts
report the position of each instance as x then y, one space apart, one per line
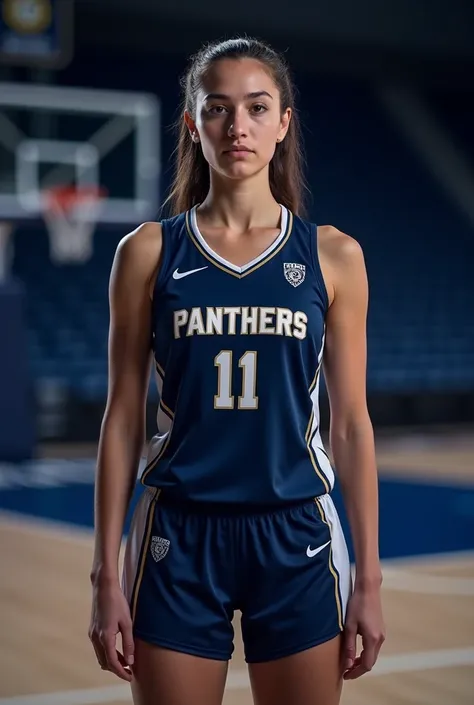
340 554
135 541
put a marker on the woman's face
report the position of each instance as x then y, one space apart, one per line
238 117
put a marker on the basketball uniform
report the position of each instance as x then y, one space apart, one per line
236 512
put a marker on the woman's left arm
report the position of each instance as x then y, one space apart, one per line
352 441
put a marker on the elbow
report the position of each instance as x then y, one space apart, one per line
350 427
123 422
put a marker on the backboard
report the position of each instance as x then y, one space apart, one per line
52 135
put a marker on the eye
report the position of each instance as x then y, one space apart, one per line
216 109
259 108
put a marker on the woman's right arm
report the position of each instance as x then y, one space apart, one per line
122 436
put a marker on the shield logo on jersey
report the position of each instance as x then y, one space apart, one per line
294 273
159 547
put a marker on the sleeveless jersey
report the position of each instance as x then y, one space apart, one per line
238 354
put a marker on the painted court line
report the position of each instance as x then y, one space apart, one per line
426 584
238 680
422 661
60 530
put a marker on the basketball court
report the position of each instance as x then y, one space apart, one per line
46 553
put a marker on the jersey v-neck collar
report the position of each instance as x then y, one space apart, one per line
220 262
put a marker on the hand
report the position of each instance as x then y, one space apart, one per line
110 616
364 617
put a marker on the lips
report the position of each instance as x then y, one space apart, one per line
238 148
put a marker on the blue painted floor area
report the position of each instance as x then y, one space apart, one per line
415 518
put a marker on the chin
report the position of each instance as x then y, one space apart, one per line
240 170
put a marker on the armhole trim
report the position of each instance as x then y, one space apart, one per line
163 259
317 265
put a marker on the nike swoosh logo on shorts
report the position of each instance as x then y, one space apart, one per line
180 275
312 552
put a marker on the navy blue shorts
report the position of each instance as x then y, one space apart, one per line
187 569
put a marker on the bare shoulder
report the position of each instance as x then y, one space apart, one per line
338 247
141 243
138 253
341 258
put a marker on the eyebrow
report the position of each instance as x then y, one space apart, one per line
247 96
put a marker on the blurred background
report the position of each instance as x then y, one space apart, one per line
89 92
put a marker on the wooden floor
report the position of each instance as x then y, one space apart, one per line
46 658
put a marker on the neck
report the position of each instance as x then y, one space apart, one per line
246 204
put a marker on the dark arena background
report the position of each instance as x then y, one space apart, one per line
88 95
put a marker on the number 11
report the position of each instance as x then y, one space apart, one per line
224 399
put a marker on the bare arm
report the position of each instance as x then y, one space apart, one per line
121 439
123 427
351 432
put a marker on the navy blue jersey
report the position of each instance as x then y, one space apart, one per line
238 354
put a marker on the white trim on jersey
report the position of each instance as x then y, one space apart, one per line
164 422
222 260
317 445
317 442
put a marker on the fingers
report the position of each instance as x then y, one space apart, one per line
349 646
353 672
107 640
369 655
99 652
128 643
366 661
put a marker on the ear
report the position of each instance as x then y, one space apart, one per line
191 125
284 125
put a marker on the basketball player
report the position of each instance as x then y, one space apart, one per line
239 303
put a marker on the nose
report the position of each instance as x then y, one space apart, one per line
238 126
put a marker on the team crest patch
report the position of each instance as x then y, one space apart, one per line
294 273
159 547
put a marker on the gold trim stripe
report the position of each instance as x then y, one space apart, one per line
312 386
154 462
228 270
144 551
332 568
309 436
314 460
166 410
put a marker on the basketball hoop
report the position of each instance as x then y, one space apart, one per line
70 214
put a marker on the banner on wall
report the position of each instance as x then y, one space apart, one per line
36 33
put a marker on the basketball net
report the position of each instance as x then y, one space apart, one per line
70 214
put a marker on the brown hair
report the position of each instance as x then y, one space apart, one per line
191 178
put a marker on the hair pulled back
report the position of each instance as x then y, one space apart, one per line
191 179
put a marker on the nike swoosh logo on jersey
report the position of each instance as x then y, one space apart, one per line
312 552
180 275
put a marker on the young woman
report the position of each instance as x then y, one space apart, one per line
239 304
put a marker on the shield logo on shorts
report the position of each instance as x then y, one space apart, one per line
159 547
294 273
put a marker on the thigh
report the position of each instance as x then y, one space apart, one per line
310 677
166 677
300 582
177 582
